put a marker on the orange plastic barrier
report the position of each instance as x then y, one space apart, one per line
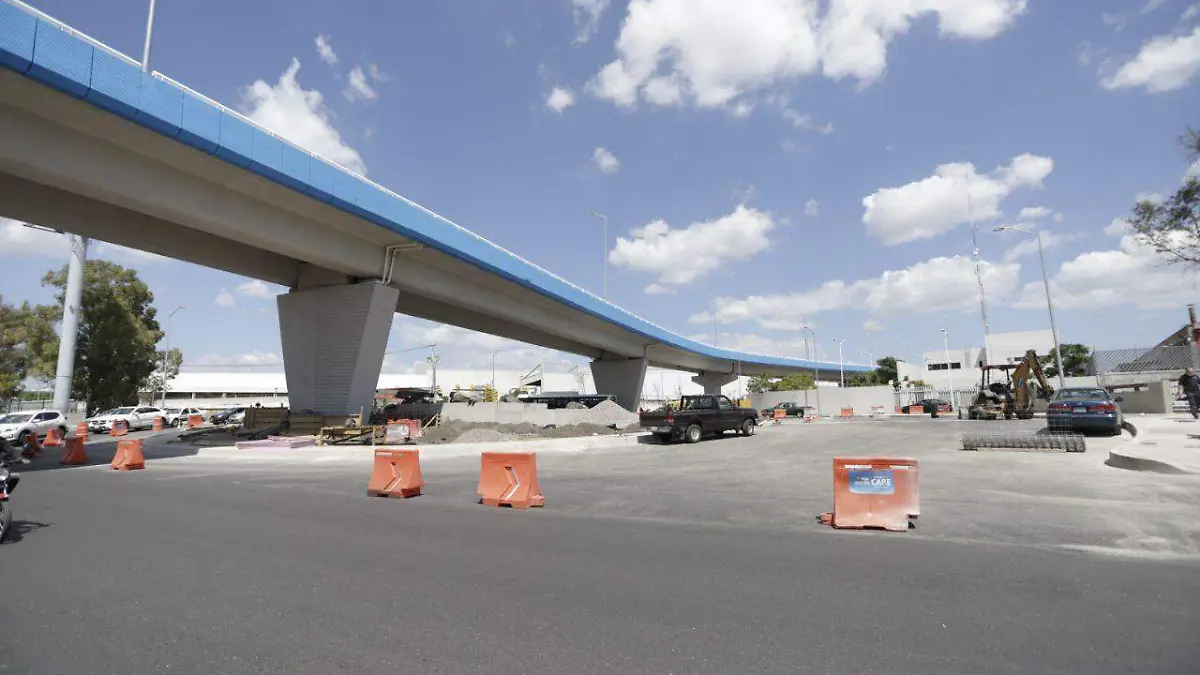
847 412
509 479
877 493
195 421
159 423
119 428
54 438
129 455
74 455
81 430
916 410
32 447
778 415
397 473
899 410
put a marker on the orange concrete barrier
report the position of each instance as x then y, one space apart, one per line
74 454
159 423
32 447
129 455
899 410
81 430
847 412
195 421
916 410
778 415
397 473
119 428
54 438
876 493
398 431
509 479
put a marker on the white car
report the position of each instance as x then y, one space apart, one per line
15 427
137 417
177 417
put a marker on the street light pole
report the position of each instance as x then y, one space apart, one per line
841 363
64 374
166 356
949 373
816 365
1049 299
604 218
149 35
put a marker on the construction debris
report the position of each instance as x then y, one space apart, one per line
1025 442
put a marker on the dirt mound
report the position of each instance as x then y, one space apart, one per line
485 436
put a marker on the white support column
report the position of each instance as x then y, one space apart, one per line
622 378
712 382
333 343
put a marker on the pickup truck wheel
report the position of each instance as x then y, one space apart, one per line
749 427
692 433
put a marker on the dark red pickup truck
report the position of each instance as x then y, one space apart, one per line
699 416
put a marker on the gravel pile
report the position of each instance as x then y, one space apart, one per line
485 436
486 432
611 413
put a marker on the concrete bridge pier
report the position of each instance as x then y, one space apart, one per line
621 377
712 382
334 338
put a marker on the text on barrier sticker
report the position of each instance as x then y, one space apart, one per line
872 482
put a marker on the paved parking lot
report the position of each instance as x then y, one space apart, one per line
697 559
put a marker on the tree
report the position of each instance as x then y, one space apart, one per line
159 382
1075 360
887 371
14 359
1172 227
760 384
115 349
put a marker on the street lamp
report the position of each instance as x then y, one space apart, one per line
816 362
604 218
149 33
1049 301
166 355
841 362
870 357
949 373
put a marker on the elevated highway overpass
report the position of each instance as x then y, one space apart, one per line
90 144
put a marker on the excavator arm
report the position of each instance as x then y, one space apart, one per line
1027 378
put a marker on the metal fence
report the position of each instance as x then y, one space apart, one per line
1140 360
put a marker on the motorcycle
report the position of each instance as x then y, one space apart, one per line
8 483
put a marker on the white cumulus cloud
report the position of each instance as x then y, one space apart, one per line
1133 274
325 50
1029 245
300 116
225 299
953 195
812 208
935 285
258 289
1165 63
19 241
605 161
684 255
357 87
560 99
1032 213
587 18
718 51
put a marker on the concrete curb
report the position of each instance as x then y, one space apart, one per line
1126 457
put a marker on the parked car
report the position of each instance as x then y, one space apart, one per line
1085 409
16 427
177 417
699 416
790 409
136 417
223 416
943 407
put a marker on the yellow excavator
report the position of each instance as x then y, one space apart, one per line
1013 398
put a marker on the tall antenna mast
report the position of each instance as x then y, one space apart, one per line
987 331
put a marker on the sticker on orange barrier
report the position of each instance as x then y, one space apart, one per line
847 412
916 410
81 430
129 456
119 428
195 421
399 431
158 423
54 438
778 415
509 479
74 454
875 493
397 473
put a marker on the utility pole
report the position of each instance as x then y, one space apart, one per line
166 356
987 331
149 35
433 360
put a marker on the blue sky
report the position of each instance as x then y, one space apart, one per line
766 159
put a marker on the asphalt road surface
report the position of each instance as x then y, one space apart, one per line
654 559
